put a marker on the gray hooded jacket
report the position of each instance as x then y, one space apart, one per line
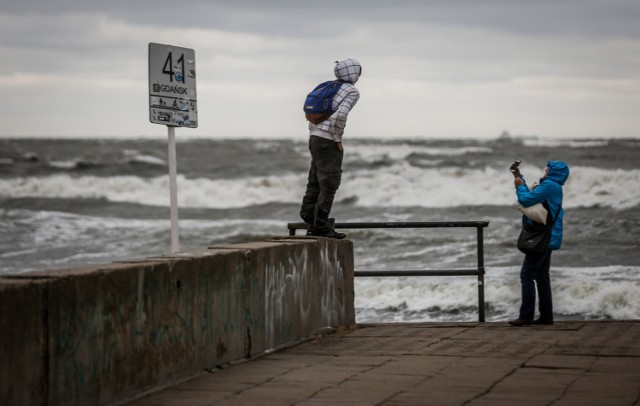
347 96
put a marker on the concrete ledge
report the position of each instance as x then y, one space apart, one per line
103 333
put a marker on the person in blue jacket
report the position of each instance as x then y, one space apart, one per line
535 268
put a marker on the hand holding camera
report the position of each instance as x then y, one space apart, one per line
515 168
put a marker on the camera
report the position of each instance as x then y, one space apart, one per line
515 166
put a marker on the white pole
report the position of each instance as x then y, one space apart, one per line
173 191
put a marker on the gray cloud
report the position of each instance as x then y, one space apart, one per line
613 18
543 57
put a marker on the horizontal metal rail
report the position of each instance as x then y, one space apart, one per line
403 224
426 272
479 271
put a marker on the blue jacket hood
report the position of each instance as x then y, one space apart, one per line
558 172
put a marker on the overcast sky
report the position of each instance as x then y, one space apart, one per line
463 69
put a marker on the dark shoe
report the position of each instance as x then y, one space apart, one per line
541 321
520 322
328 234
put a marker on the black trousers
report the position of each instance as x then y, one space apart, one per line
534 274
325 175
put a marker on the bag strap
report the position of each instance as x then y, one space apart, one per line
546 203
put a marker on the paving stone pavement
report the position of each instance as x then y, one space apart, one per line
569 363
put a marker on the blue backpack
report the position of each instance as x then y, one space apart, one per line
318 106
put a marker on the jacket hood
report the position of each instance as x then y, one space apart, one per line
558 172
348 70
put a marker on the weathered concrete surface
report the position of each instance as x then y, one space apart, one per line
569 363
23 372
100 334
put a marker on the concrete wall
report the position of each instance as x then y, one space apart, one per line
100 334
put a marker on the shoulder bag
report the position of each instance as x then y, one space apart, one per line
534 237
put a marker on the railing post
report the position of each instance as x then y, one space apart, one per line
480 274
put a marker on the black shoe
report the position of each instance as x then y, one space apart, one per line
520 322
328 234
541 321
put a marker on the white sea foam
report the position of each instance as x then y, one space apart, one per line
400 185
404 185
63 164
154 191
539 142
50 239
598 293
376 152
135 156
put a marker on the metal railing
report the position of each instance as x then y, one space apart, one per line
479 271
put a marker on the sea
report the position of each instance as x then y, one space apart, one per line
68 202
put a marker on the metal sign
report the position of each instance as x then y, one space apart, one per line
172 86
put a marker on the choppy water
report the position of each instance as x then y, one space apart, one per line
69 202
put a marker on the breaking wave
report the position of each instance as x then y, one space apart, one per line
400 185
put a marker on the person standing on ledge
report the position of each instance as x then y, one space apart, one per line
325 145
535 269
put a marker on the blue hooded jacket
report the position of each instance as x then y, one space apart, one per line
549 190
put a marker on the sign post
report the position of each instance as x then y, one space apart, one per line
172 102
173 190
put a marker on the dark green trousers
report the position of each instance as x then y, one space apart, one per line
324 179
